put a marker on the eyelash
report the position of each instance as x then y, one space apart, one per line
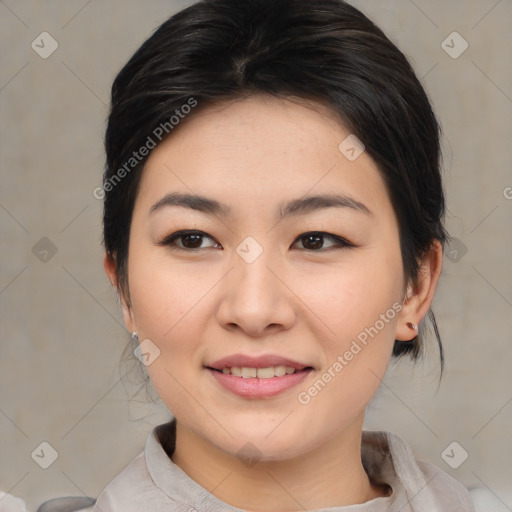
169 240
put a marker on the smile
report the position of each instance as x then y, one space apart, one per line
258 383
260 373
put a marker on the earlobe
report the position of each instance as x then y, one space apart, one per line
419 297
412 326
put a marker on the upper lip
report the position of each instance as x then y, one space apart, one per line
265 361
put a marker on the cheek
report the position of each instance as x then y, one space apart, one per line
352 298
167 302
360 304
169 305
164 294
363 313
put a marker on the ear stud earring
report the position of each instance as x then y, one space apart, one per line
135 336
412 326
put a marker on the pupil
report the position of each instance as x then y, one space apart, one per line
318 241
186 240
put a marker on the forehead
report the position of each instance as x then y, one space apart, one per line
261 150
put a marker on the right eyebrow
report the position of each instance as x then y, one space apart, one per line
194 202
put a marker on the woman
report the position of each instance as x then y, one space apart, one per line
273 222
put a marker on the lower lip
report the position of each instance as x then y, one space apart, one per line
258 388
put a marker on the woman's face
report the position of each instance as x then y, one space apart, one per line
269 281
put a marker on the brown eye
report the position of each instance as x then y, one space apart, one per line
187 240
191 241
315 241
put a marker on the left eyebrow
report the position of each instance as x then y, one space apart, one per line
313 203
291 208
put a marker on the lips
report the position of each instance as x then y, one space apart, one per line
262 373
258 377
244 361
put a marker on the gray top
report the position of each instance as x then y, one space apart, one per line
152 482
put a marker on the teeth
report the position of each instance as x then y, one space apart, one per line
280 371
262 373
249 372
265 373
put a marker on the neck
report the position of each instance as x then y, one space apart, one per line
331 475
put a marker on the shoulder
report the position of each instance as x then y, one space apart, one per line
127 489
428 487
134 487
445 490
425 486
152 481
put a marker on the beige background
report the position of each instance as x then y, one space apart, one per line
61 330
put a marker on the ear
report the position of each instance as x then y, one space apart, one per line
110 266
418 298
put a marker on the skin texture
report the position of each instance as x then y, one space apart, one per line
297 301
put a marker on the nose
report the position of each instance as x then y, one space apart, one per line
256 298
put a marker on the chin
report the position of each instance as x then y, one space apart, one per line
267 440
